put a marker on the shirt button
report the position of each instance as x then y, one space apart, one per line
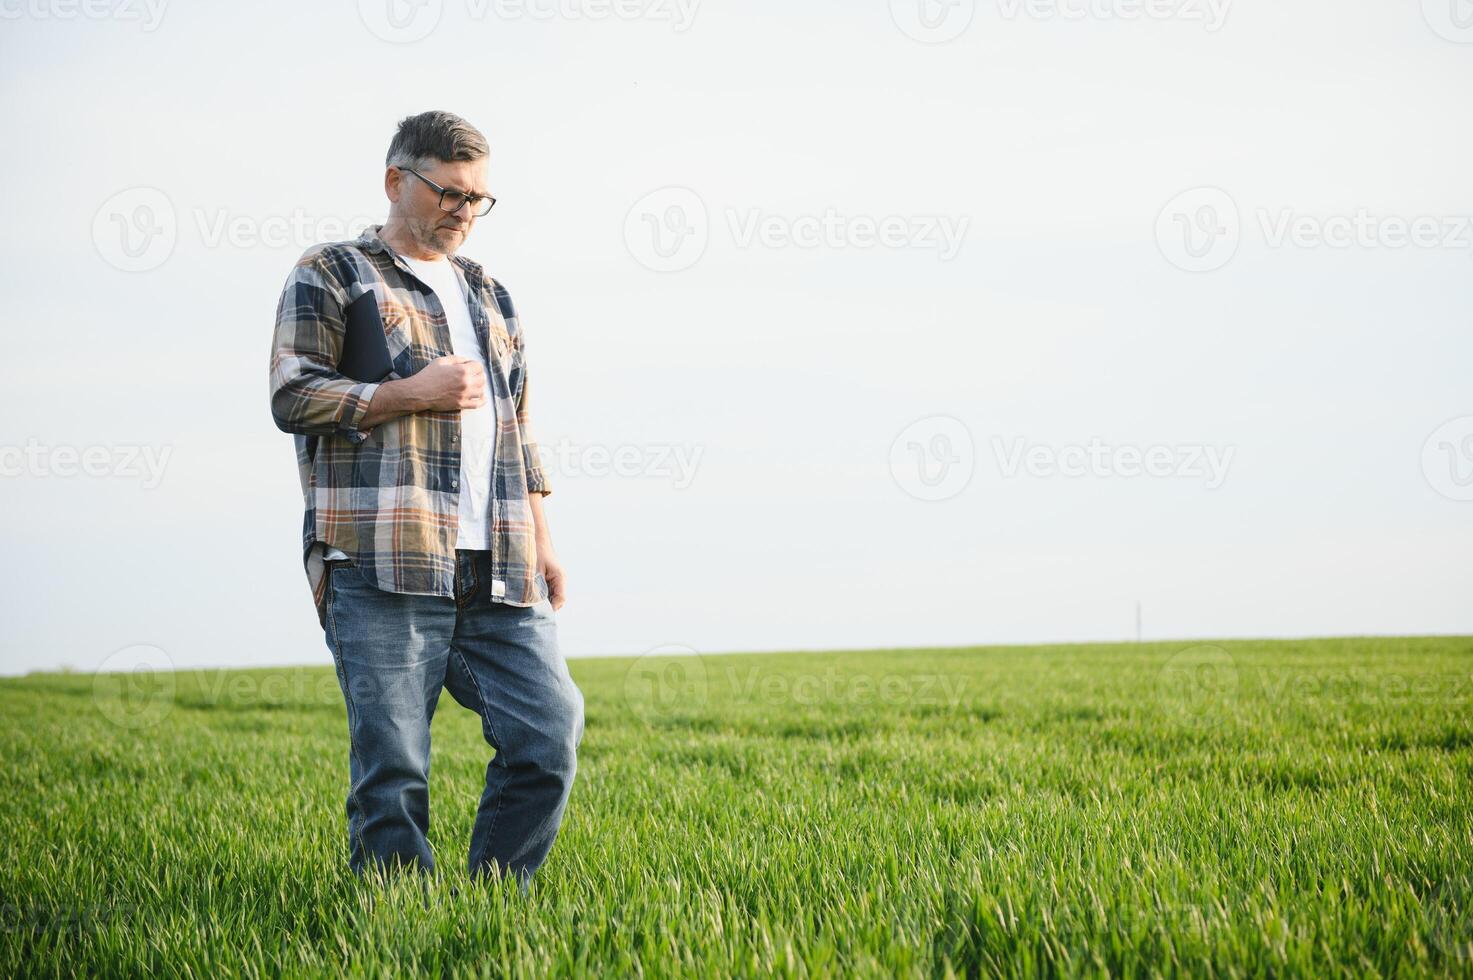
454 484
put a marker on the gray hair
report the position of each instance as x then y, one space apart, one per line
435 136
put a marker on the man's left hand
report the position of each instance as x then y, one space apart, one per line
552 571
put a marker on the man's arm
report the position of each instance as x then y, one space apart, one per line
537 488
547 562
537 482
391 400
310 397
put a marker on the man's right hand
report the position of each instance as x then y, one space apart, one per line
446 384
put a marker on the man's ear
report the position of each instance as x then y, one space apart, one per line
393 184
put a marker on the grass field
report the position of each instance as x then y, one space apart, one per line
1243 809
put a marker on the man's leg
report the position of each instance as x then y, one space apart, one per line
390 651
506 665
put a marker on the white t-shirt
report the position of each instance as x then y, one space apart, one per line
477 425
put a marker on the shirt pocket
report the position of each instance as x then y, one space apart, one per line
515 369
399 332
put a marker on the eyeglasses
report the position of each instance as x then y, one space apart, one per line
452 201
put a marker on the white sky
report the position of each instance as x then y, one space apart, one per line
1054 138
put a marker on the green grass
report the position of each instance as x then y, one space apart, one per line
1246 809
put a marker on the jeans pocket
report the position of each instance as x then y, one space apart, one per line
342 572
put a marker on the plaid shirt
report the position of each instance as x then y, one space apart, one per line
389 496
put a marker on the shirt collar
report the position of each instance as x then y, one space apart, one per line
370 241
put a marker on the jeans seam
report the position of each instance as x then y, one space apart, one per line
355 835
490 727
477 685
490 828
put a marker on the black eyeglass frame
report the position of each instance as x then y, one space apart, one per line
465 199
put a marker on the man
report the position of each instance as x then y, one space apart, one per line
424 540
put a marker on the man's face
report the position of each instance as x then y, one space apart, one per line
419 203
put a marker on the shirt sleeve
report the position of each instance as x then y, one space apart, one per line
308 395
537 481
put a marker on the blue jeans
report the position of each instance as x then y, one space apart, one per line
393 653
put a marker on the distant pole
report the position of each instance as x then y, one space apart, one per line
1137 621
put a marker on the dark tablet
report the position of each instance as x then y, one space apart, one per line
365 347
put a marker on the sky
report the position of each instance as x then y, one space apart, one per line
881 324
